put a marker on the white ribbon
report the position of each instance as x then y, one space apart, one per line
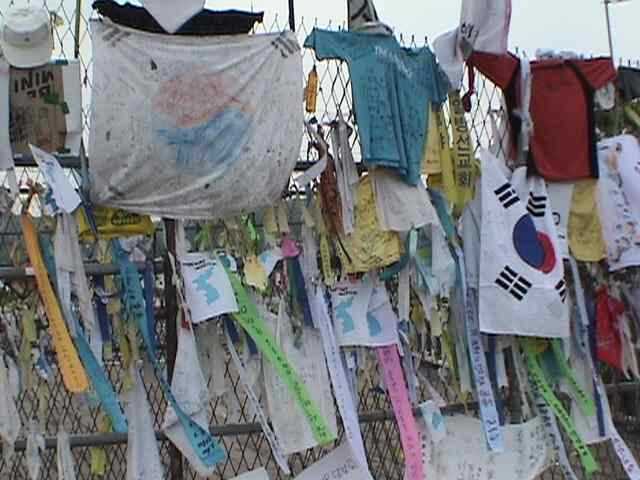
276 448
64 459
35 448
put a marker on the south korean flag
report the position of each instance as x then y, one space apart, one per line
522 289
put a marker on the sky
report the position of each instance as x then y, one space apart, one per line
576 25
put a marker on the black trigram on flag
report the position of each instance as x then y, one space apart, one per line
285 45
561 288
537 205
515 284
507 195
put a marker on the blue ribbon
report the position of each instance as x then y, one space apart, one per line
104 389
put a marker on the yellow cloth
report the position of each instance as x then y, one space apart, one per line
434 145
368 246
442 180
114 222
462 155
458 173
585 232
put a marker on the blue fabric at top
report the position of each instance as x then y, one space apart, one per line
391 86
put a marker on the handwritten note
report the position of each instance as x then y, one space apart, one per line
63 192
207 288
368 247
389 360
340 464
463 454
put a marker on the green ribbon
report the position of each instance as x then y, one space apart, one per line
585 402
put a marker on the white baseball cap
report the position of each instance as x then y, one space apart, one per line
26 37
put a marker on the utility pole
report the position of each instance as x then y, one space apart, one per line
606 11
292 17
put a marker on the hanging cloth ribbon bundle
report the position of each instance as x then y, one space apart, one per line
249 318
73 373
539 381
208 450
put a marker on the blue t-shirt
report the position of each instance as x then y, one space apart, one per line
391 87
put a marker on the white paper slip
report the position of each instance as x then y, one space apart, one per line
363 314
207 288
341 464
63 192
269 259
259 474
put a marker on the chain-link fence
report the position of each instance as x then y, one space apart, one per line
46 401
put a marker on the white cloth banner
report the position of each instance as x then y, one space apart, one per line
463 455
207 287
213 125
484 26
619 199
522 286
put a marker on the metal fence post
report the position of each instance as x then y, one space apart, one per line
171 339
292 16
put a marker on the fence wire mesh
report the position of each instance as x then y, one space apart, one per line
53 408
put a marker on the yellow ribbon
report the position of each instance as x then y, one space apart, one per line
73 374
